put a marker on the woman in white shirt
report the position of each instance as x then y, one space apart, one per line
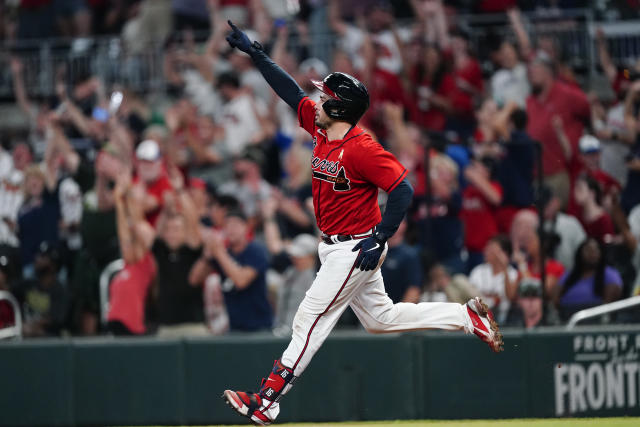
496 280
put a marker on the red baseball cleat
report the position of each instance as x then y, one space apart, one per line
484 325
250 405
262 408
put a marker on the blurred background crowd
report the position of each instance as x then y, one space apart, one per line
152 183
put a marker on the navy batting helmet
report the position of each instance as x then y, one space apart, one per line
349 97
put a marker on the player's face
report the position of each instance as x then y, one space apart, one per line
322 120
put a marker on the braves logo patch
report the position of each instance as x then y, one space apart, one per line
340 181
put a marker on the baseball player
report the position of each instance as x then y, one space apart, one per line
348 167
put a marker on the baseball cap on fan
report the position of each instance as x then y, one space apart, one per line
253 154
530 287
543 58
589 144
303 245
148 150
316 65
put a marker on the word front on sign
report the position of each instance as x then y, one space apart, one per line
581 388
613 344
603 375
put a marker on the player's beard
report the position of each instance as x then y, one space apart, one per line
323 122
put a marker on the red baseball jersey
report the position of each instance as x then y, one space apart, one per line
346 176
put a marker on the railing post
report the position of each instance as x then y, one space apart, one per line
45 72
590 30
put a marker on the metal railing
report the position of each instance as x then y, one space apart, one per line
623 40
106 57
601 310
142 70
568 27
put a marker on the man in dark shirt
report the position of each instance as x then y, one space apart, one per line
515 171
178 300
100 244
44 299
176 249
441 234
243 268
401 270
38 216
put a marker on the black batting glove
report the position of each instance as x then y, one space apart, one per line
237 38
371 250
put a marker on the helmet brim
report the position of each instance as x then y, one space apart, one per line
323 88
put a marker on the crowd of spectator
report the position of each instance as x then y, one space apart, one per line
193 208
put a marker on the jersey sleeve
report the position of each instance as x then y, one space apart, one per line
307 114
380 167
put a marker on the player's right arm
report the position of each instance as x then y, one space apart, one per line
279 80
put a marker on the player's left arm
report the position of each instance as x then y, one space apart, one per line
382 169
397 204
372 247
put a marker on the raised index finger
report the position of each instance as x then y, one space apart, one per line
232 25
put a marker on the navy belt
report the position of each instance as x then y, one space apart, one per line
337 238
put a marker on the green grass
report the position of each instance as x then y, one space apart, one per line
592 422
560 422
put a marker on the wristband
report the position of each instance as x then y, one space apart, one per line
380 237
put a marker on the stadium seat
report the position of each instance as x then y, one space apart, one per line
13 329
106 277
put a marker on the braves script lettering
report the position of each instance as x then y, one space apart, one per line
334 173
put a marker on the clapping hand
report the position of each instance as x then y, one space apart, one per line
213 242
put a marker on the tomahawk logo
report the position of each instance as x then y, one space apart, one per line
340 181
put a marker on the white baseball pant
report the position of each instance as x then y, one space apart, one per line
339 284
